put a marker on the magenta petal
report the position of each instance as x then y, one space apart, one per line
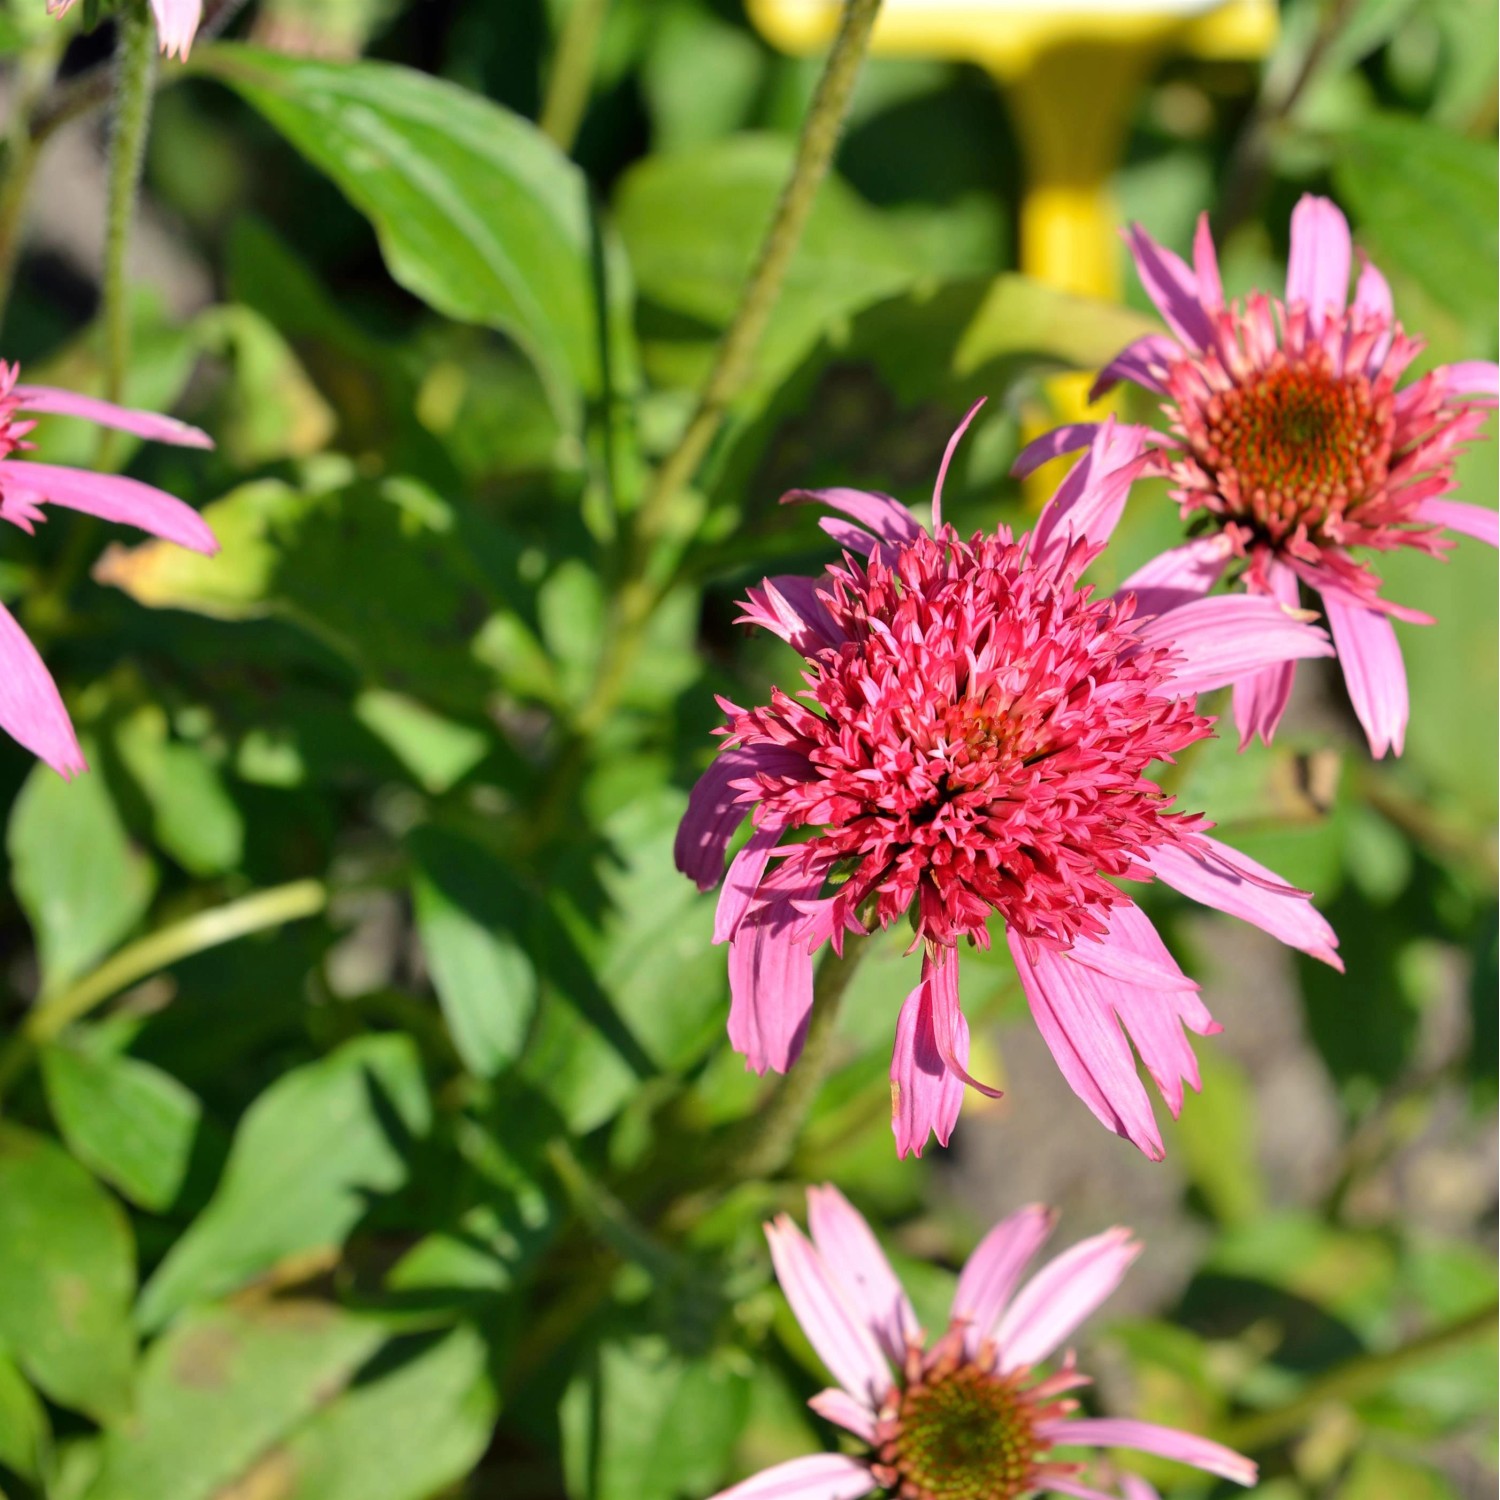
1078 1025
1471 377
1261 698
771 982
1220 639
1089 502
1317 273
948 452
832 1326
1052 445
1477 521
1148 1437
855 1258
1233 883
1175 578
112 497
888 518
926 1096
742 882
821 1476
852 538
1136 362
1172 287
31 710
1374 673
1061 1295
1206 265
146 424
992 1272
1131 952
1372 296
839 1407
949 1030
716 808
789 606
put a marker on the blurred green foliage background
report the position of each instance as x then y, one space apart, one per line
361 1033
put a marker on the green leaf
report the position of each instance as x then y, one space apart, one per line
437 751
470 911
80 880
478 213
1378 1476
125 1119
1216 1140
25 1433
306 1158
404 1433
67 1264
223 1386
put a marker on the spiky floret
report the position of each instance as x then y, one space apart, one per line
979 742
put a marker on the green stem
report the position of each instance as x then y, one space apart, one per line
572 76
1356 1378
157 951
135 82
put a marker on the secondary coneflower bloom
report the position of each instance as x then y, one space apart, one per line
969 1416
176 22
1293 451
31 710
974 740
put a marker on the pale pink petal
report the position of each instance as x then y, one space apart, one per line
1175 578
1079 1027
949 1030
716 808
1137 363
840 1408
1172 287
771 979
1077 1490
1372 296
742 881
1220 639
113 497
1231 882
1471 377
855 1258
1317 272
888 518
1374 673
1148 1437
1477 521
1052 445
991 1273
146 424
822 1476
1089 502
176 24
1206 266
1131 951
948 452
832 1326
925 1095
1261 698
31 710
1133 1487
1061 1295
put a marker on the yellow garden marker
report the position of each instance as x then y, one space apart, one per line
1070 72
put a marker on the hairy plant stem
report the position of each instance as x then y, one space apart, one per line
1355 1378
149 955
572 77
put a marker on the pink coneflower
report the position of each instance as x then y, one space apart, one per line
973 740
176 22
969 1417
31 711
1293 451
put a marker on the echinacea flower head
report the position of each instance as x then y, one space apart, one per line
177 22
970 1415
972 742
31 710
1295 451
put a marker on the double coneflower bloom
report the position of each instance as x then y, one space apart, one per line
969 1416
1294 452
973 740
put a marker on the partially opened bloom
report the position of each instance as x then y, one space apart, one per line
973 740
1293 453
176 22
970 1416
31 711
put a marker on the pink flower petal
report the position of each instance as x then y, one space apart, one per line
840 1408
1131 952
822 1476
949 1030
31 710
1148 1437
1172 287
1052 445
852 538
888 518
1372 296
832 1326
1175 578
1089 502
925 1095
1261 698
1220 639
991 1273
176 25
112 497
771 980
1231 882
789 607
855 1258
1076 1490
1374 672
1317 272
146 424
1471 377
1061 1295
1135 363
1477 521
1073 1013
742 882
1206 266
715 807
948 452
